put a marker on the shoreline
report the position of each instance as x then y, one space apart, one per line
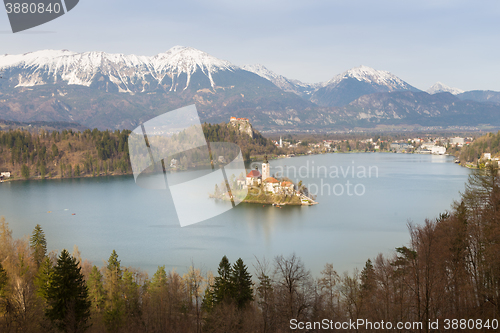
60 178
255 159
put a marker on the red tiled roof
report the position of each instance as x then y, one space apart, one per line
271 180
286 184
254 173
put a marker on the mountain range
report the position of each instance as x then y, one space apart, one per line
98 89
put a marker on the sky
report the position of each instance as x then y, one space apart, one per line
453 41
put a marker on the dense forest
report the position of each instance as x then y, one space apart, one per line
42 154
449 270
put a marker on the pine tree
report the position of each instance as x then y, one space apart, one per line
241 284
43 170
25 171
158 291
114 303
55 150
42 279
38 245
3 281
132 298
67 296
368 277
96 289
222 286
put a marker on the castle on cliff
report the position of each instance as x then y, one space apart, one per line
242 125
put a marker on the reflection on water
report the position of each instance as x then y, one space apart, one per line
142 225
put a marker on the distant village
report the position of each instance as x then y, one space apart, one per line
435 146
294 145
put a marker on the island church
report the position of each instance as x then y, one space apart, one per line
270 184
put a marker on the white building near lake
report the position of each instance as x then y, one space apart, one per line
438 150
457 141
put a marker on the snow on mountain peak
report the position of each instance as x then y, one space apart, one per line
262 71
81 68
285 84
439 87
186 59
32 58
369 75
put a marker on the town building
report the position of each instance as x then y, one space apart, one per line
459 142
438 150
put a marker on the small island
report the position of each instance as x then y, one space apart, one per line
261 188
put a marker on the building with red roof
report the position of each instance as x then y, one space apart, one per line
271 180
271 185
254 177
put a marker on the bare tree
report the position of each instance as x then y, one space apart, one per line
294 284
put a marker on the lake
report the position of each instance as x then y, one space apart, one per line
359 215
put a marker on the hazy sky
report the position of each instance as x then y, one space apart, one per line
452 41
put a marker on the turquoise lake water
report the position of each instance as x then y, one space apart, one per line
353 221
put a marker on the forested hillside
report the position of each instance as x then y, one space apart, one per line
489 143
42 154
449 271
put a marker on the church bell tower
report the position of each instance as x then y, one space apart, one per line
265 169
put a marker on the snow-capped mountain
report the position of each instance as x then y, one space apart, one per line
439 87
356 82
128 73
372 76
98 89
285 84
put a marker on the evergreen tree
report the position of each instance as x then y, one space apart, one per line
43 170
3 280
96 289
222 285
38 245
25 171
43 277
241 284
114 303
55 150
67 296
132 298
368 277
158 291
